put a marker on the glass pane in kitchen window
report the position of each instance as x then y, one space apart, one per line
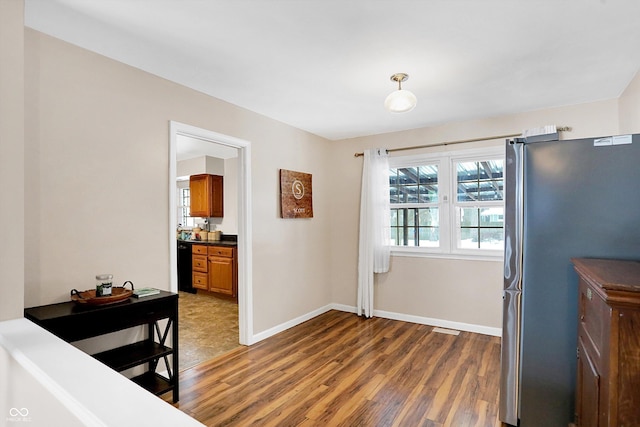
184 201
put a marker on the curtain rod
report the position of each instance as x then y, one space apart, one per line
462 141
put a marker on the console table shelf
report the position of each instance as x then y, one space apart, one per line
131 355
73 322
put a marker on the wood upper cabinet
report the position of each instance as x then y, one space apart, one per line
206 192
608 369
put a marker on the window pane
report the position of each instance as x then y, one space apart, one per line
481 228
394 236
411 236
492 238
430 237
481 180
492 217
407 185
393 176
411 216
407 176
428 193
469 217
429 217
420 228
413 185
468 238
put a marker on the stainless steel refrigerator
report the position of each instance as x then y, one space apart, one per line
563 199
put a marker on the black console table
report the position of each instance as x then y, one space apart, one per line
72 322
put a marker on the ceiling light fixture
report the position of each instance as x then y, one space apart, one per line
400 101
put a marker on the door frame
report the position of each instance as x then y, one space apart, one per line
245 266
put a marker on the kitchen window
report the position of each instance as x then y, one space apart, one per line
448 204
184 197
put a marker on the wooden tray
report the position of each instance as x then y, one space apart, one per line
89 297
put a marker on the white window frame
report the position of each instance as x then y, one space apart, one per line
448 206
189 223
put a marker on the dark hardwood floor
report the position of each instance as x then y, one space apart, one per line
342 370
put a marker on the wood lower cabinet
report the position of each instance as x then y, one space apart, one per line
223 270
215 269
199 267
608 369
206 194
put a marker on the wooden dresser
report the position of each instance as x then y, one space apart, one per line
608 374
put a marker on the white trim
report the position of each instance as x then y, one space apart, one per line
245 243
408 253
291 323
343 307
467 327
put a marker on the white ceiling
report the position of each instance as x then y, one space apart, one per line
324 65
188 147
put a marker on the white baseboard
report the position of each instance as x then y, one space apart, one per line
289 324
467 327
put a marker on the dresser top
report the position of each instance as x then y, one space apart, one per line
610 274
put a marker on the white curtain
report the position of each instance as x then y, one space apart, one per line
373 254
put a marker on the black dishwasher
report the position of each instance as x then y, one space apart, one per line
185 278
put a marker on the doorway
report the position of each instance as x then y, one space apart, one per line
245 297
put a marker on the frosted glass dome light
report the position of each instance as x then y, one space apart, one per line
400 101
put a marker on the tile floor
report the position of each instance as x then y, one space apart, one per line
207 327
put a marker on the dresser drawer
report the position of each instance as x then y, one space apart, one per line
199 249
592 312
199 263
221 251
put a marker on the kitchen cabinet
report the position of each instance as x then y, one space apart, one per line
199 267
73 322
223 270
608 368
215 269
206 193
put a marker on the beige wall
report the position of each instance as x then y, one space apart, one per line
629 105
97 182
229 224
451 290
11 158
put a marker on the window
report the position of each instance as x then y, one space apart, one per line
448 203
414 205
184 197
480 204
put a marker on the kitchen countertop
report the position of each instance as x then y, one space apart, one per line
232 243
